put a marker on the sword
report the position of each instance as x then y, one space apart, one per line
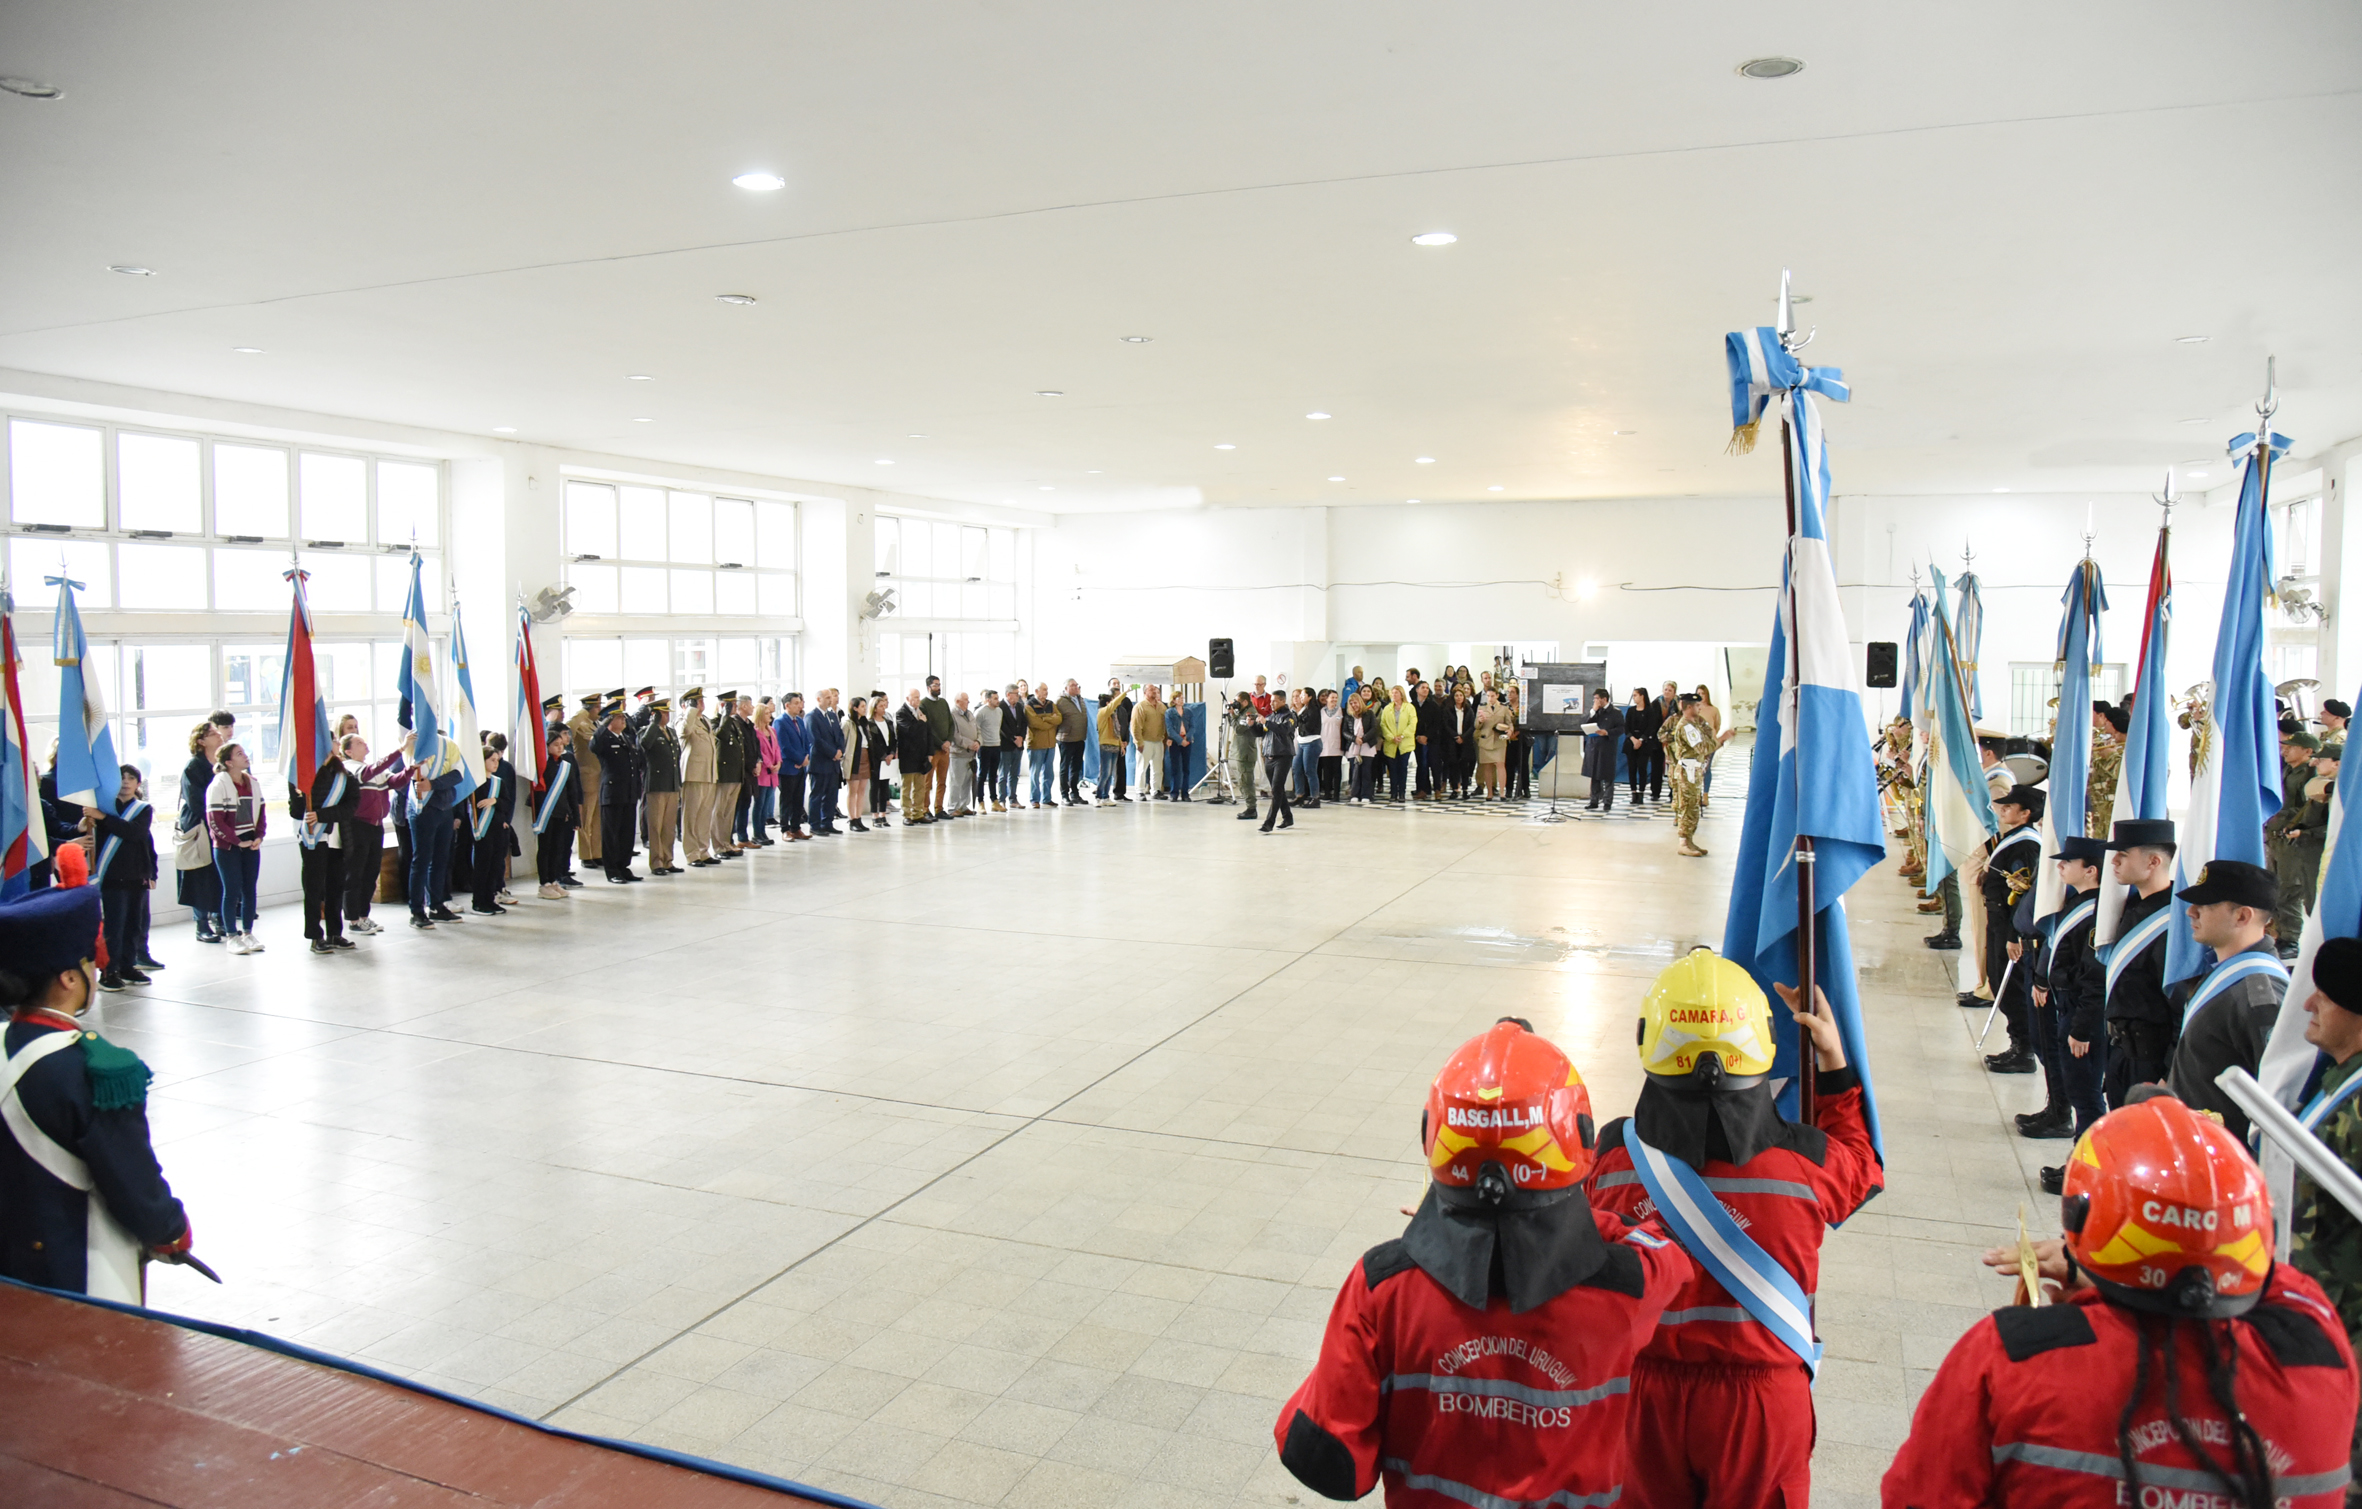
1996 1011
190 1260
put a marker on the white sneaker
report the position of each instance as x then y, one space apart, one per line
253 946
552 893
503 896
364 926
240 944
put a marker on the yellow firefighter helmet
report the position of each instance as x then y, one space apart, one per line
1703 1003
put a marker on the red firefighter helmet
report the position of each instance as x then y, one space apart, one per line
2166 1212
1508 1100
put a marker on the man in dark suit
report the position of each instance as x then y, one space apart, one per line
1602 727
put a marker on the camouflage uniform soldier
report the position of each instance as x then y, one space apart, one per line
2325 1238
2107 763
1689 744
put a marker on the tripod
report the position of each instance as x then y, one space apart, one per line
1557 763
1218 769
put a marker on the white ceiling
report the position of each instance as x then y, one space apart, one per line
464 216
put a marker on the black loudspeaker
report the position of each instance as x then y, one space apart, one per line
1219 664
1882 662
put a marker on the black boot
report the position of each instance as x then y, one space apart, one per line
1248 816
2017 1058
2054 1180
1947 939
2051 1124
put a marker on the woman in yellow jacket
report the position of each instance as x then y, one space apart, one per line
1398 735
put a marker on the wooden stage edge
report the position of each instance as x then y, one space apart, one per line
103 1406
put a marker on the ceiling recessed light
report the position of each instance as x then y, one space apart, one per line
735 298
1424 460
2001 489
914 437
1336 479
642 419
2199 472
1224 445
132 270
1046 487
1627 432
1094 472
2190 340
1135 340
1410 500
504 429
1316 414
247 350
1434 238
882 461
2195 421
639 377
761 183
32 89
1770 68
1496 487
1049 392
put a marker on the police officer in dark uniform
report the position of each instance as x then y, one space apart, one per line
619 793
2143 1025
2010 858
82 1135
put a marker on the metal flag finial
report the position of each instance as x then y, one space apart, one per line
2165 499
1789 341
1968 557
2270 403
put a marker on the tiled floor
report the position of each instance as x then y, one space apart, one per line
1014 1162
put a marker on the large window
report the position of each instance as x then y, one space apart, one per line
181 543
665 552
154 522
970 661
2034 694
940 570
752 665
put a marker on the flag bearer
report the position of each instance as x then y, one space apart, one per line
2142 1024
2180 1367
2227 1013
2010 860
82 1201
1485 1356
557 810
2069 1004
1722 1411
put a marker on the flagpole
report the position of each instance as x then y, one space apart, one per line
1807 950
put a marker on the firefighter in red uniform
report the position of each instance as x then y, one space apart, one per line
1485 1357
1722 1409
2180 1366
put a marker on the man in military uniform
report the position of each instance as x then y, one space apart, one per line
2227 1013
2010 860
734 763
1688 744
644 714
2289 867
619 793
2142 1023
83 1204
2325 1238
584 726
2108 724
660 756
698 792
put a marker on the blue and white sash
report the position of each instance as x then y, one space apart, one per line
2230 972
484 814
1709 1234
2120 954
563 773
114 843
2072 918
2325 1106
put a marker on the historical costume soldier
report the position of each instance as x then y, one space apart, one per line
1483 1356
557 811
584 726
660 758
1603 726
2011 857
83 1203
1722 1410
1688 744
619 793
2180 1365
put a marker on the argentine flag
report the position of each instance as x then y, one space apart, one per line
462 743
24 837
1958 802
2143 779
2070 732
2235 779
1812 776
87 771
416 680
1915 660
